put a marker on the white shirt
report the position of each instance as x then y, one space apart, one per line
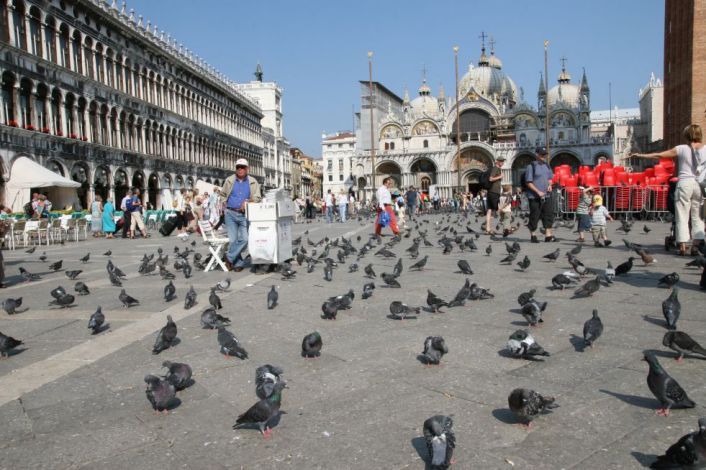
384 196
342 199
329 199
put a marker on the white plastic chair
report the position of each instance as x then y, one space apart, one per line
215 245
31 229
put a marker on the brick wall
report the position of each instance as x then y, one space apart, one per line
680 76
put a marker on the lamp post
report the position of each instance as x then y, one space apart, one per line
546 99
458 123
372 123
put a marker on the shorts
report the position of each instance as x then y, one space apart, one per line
493 199
598 232
540 209
584 222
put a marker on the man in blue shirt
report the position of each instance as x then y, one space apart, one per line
411 197
238 190
538 177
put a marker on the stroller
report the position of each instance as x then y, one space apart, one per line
670 241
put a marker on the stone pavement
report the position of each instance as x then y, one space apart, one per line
72 400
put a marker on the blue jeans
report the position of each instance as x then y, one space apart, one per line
329 214
342 211
237 228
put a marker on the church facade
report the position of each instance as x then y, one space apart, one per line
415 139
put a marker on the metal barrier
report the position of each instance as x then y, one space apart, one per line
651 201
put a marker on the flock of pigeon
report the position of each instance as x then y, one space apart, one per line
453 231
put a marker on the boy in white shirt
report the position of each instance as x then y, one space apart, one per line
599 215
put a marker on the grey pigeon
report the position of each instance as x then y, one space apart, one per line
28 276
434 302
522 344
682 343
169 292
464 267
179 374
397 269
527 404
165 337
609 273
272 297
214 300
479 293
592 329
329 310
65 301
311 345
524 264
11 305
108 253
554 255
115 279
159 392
532 311
588 289
353 268
400 311
266 377
73 274
230 346
56 265
126 300
343 302
434 349
7 343
671 309
390 280
368 290
667 390
96 321
81 289
369 271
57 292
687 452
419 265
525 297
328 273
223 285
85 259
440 441
560 281
669 280
190 298
262 412
166 274
625 267
212 320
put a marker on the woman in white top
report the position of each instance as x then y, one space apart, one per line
385 205
691 159
342 201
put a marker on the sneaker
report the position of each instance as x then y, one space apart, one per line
550 239
607 242
506 232
534 239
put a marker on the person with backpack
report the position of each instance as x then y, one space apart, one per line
537 184
491 181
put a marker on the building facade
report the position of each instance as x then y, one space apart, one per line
98 95
276 158
415 139
309 172
337 151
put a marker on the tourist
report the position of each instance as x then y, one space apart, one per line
538 177
309 209
238 190
399 202
599 215
134 206
351 205
342 201
97 216
126 213
109 218
493 196
412 200
328 201
385 206
691 163
178 205
583 212
505 210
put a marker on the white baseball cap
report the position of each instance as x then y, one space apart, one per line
241 162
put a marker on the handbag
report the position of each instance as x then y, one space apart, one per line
699 172
384 219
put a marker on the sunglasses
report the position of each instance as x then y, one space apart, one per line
238 167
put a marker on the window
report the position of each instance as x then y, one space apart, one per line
340 145
340 177
330 178
340 164
392 146
426 144
387 146
329 165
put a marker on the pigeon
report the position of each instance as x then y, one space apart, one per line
31 250
527 404
682 343
368 290
7 343
73 274
434 349
560 281
108 253
165 337
665 388
592 329
464 267
646 229
329 310
440 441
343 302
698 262
263 411
369 271
230 346
609 274
669 280
56 266
576 250
169 292
401 311
463 294
588 289
509 258
434 302
28 276
126 300
115 280
311 345
81 289
11 305
65 301
57 292
554 255
390 280
524 264
212 320
166 274
96 321
43 257
159 392
328 273
214 300
419 265
525 297
272 297
223 285
190 298
288 272
179 374
687 452
353 268
522 344
532 311
489 250
266 377
397 269
646 257
671 309
624 268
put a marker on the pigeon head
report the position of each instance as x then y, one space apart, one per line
702 425
652 361
167 364
151 379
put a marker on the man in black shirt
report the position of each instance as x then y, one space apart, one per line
494 192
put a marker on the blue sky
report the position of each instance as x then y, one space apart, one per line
317 50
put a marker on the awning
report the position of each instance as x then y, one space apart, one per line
26 174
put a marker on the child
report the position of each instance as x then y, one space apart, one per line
505 209
599 215
583 212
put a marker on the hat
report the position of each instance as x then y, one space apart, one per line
540 150
598 200
499 158
241 162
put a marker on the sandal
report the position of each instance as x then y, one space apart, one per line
682 249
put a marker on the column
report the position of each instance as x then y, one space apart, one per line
69 45
74 118
86 123
17 111
43 40
109 129
28 37
49 109
11 23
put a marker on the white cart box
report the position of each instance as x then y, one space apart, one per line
262 212
269 236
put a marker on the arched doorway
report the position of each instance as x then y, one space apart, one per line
153 190
121 186
565 158
79 173
101 182
179 183
425 173
391 169
138 182
474 126
190 182
474 161
519 165
360 195
56 167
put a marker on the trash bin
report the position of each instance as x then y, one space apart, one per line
270 232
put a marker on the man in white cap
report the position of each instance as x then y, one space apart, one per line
238 190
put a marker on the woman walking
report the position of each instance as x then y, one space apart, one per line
97 216
109 218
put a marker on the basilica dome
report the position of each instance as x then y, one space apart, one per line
565 94
489 80
424 103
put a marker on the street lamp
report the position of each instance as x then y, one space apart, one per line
458 122
546 99
372 124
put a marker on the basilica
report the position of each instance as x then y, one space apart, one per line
415 139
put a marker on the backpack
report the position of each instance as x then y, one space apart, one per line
484 180
28 210
523 177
